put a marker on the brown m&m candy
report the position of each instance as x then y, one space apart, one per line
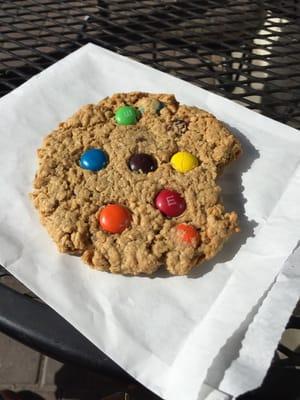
142 162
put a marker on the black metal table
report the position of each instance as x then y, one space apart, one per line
246 50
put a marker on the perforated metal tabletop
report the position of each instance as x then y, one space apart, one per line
245 50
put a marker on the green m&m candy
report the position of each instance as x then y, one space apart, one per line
127 115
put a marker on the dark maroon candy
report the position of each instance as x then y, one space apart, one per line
142 162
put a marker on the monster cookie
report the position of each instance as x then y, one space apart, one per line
129 184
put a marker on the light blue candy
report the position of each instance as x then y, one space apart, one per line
93 160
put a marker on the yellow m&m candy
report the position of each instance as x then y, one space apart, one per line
183 161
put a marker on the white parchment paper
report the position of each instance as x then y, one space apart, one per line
257 348
166 332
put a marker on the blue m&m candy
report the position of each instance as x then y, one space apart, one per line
93 159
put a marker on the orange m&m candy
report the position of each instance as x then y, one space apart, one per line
114 218
188 234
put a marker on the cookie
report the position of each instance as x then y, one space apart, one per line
129 184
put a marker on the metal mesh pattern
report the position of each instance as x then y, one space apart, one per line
246 50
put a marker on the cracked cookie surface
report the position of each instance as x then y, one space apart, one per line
70 198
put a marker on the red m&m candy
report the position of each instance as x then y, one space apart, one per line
170 203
